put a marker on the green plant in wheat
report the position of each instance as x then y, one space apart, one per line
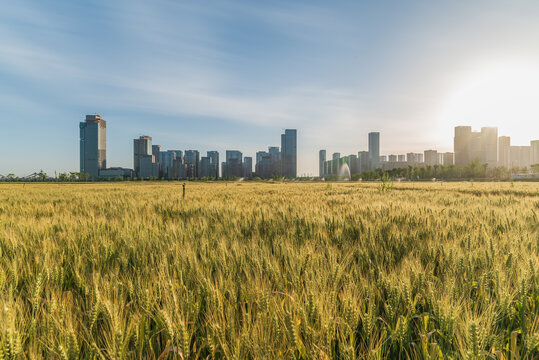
269 271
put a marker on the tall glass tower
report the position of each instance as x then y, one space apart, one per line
289 153
93 145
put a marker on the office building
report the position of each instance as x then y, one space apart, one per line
263 166
214 163
93 145
141 147
191 159
374 150
156 150
289 153
204 168
431 157
321 161
234 163
276 160
504 156
247 166
166 162
148 168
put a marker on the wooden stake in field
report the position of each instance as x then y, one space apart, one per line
183 185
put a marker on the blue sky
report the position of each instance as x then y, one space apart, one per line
217 75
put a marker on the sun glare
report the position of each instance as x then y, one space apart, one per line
503 95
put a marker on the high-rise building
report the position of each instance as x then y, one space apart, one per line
363 160
141 147
276 160
156 150
190 160
504 156
214 163
93 145
148 168
520 156
166 161
247 166
289 153
374 150
489 140
479 146
463 136
263 166
382 159
448 158
534 158
204 167
401 158
392 158
431 157
321 161
234 163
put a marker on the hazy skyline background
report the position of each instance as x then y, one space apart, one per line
219 75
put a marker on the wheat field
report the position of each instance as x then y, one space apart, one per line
287 270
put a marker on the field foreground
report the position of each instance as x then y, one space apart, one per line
275 270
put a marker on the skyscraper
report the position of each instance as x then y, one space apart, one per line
479 146
141 147
374 150
263 166
214 163
276 163
156 150
489 141
504 156
289 153
93 145
234 163
321 161
204 168
463 137
190 160
247 166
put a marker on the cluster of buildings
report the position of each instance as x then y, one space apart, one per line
151 162
491 149
371 160
484 146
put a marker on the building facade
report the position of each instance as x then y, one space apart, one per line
141 147
289 153
321 161
431 157
247 166
93 145
374 150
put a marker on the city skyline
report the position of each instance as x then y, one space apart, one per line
236 72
